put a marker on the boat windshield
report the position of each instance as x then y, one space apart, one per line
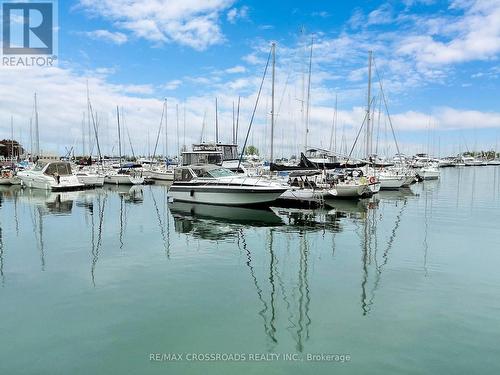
39 165
220 172
61 169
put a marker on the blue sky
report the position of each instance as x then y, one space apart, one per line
438 61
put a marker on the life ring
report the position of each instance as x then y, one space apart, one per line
372 180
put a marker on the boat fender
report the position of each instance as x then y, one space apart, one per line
191 193
372 180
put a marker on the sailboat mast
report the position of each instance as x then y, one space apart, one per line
333 134
37 132
216 123
12 137
177 120
309 92
237 121
368 108
166 132
234 134
83 134
272 101
31 136
184 129
119 136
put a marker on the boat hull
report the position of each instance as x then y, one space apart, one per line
161 176
123 179
391 182
91 180
348 191
10 181
49 183
224 196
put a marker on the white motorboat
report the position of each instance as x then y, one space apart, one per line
389 181
56 176
429 173
494 162
353 189
121 177
470 161
211 184
8 177
89 178
307 195
161 174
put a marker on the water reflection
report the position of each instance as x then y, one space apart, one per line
218 222
279 266
163 222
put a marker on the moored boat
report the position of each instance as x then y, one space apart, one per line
56 176
211 184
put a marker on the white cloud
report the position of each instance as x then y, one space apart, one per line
106 35
236 69
235 14
448 40
173 84
194 23
322 14
380 16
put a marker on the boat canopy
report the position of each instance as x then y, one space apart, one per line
202 157
187 173
58 168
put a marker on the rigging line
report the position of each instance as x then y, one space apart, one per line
357 136
254 109
159 129
283 95
386 107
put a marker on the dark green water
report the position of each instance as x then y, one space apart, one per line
96 282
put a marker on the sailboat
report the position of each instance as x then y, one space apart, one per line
122 176
161 172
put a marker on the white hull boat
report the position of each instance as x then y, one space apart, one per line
391 182
123 179
9 178
352 190
161 175
90 179
14 180
211 184
307 195
429 173
54 176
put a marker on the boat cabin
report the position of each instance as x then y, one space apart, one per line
316 154
187 173
210 153
59 168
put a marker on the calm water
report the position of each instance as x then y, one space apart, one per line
407 282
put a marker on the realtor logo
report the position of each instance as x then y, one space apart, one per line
28 24
29 33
